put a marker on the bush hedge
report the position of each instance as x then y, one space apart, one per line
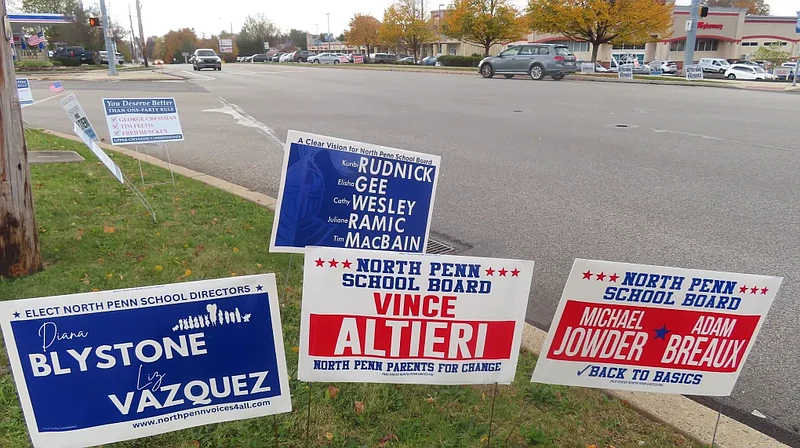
32 64
69 62
460 61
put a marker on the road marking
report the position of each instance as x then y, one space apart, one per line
244 119
720 139
202 77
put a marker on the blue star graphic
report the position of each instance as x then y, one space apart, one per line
16 314
661 333
259 288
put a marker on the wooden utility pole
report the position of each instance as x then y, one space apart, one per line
142 40
19 237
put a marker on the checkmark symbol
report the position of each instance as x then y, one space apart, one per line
580 372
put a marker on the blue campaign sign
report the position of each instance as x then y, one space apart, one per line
102 367
347 194
133 121
24 92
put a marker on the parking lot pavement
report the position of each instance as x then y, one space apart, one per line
548 171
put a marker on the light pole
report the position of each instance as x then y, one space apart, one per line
439 25
691 35
328 37
112 57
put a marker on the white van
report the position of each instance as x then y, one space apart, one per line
714 65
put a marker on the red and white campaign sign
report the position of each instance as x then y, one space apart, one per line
654 328
379 317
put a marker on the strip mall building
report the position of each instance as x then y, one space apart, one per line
727 33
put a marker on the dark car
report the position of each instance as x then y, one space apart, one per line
206 58
301 56
535 60
260 58
383 58
277 56
85 56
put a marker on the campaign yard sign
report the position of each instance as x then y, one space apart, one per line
694 72
625 71
381 317
76 113
342 193
142 120
102 367
654 328
99 153
587 67
24 92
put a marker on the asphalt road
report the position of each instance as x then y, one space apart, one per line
701 178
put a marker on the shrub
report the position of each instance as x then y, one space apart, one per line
460 61
56 63
69 62
32 64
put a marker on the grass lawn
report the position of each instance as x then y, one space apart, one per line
95 235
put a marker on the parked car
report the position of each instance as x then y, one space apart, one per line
300 56
382 58
536 60
206 58
714 65
85 56
158 62
103 56
324 58
286 57
747 71
406 60
430 60
277 56
667 67
259 58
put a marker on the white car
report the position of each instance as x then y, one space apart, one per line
747 72
285 57
325 58
714 65
120 60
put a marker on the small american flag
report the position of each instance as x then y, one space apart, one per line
56 87
35 40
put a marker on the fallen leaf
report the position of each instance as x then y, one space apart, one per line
214 221
199 248
158 268
260 266
430 399
109 229
85 279
177 199
329 436
193 212
109 275
195 443
477 409
187 273
95 289
100 261
484 438
333 392
295 349
483 396
158 233
386 439
236 250
359 407
591 446
248 227
228 230
233 274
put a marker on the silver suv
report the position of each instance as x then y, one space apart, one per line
535 60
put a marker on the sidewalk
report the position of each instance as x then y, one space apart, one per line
154 74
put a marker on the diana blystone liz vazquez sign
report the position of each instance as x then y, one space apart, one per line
102 367
654 328
134 121
342 193
381 317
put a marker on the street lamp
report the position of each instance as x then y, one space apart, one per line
329 31
439 25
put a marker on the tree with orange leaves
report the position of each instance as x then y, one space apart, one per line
483 22
363 32
602 21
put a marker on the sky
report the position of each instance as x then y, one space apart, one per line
210 17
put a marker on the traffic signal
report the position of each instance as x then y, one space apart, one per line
94 21
704 11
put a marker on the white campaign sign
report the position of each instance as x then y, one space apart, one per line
654 328
93 146
78 116
382 317
133 121
24 92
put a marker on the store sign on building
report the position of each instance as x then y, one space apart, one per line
709 26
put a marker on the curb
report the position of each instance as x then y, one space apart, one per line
690 418
144 75
718 85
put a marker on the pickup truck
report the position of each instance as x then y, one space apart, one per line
85 56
